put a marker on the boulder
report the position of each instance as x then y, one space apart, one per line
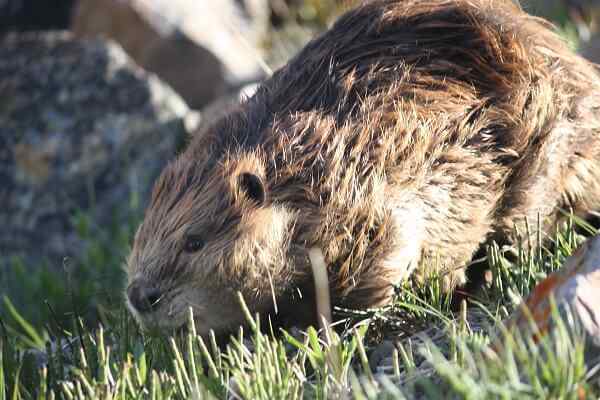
82 128
573 292
591 49
202 48
34 15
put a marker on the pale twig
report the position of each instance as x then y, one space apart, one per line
322 297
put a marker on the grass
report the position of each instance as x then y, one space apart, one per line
438 352
84 286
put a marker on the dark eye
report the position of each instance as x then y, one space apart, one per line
193 243
253 186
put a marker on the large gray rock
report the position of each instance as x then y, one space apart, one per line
81 128
29 15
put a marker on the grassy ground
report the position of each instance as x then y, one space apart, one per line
83 286
435 352
69 336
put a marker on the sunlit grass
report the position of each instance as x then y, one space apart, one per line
443 357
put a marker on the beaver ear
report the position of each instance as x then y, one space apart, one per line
253 186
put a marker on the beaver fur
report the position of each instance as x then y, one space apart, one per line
410 130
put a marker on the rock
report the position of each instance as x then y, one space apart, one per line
201 48
233 30
575 289
27 15
591 49
81 128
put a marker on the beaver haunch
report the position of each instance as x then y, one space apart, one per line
410 129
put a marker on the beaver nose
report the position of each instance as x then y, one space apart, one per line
142 296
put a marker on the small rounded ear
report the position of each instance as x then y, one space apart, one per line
253 186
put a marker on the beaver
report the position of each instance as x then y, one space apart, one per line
410 130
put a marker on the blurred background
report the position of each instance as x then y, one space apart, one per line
97 95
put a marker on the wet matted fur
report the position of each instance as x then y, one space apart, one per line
411 129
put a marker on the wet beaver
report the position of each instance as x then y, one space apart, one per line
411 129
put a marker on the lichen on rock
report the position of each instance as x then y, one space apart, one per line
82 128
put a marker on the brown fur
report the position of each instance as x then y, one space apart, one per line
410 129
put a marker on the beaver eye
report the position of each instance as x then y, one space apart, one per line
193 243
253 186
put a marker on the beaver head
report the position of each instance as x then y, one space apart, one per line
208 233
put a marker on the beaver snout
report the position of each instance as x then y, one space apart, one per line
143 296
